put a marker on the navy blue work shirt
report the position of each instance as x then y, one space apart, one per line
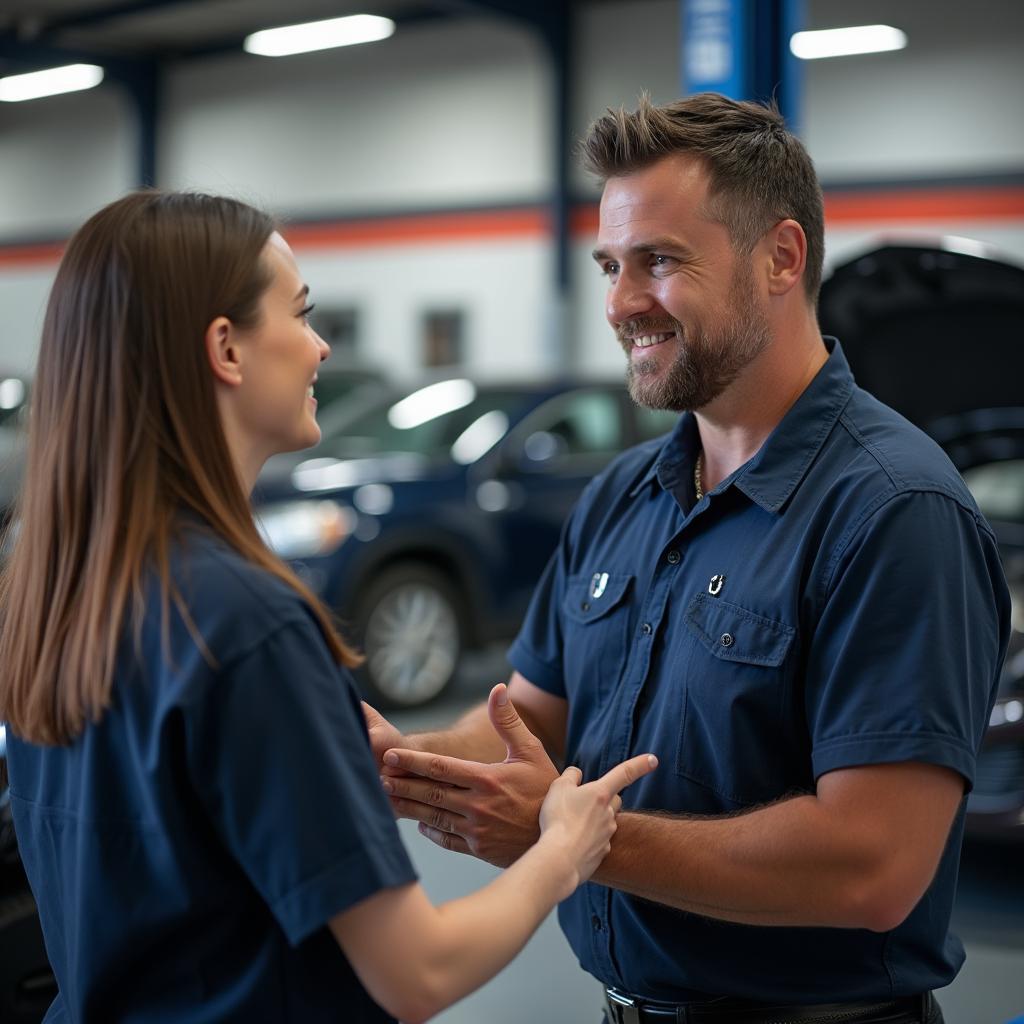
837 601
187 851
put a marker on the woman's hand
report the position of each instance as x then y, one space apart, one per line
581 818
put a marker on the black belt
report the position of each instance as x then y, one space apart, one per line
622 1008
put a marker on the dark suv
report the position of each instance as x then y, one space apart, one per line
426 520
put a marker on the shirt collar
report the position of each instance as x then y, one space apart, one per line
771 476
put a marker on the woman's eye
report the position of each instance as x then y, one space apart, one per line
306 311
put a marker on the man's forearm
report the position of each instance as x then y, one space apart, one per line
768 867
861 856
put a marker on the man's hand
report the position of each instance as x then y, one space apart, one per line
488 810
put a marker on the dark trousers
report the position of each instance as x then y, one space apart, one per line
917 1010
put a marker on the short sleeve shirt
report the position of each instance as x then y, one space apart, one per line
187 851
838 601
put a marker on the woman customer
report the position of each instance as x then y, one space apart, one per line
196 803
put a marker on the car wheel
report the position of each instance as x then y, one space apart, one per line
412 627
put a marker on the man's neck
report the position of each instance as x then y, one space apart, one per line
735 425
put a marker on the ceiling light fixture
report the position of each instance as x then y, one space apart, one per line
319 35
842 42
51 82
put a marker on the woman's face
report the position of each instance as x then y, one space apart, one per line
275 407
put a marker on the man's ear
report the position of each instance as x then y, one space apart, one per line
787 256
223 352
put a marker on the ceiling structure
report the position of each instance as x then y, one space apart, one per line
135 40
166 30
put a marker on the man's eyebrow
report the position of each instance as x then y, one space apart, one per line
302 293
654 245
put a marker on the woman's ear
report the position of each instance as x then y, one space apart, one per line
223 352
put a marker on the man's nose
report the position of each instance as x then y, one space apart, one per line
627 297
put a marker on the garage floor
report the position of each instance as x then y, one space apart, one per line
545 984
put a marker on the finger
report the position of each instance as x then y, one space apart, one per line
445 840
372 716
425 791
623 775
507 723
572 774
432 817
452 770
616 804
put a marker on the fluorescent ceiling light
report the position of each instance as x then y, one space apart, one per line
841 42
51 82
319 35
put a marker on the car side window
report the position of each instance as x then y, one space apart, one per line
578 424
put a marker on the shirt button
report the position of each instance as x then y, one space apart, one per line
727 640
646 629
585 606
596 922
674 558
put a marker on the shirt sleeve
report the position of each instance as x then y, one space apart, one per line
536 652
280 757
905 660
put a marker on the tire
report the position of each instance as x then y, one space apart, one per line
412 626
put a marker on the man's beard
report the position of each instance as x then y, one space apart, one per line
707 362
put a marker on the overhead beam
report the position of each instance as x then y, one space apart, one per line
83 19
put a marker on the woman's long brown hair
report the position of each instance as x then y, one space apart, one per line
124 435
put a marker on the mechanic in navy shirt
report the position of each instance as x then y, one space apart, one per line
792 599
195 799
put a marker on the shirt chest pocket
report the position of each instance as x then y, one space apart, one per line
737 680
595 624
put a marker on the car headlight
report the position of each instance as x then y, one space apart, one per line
303 529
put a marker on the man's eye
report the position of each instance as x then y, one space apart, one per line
662 261
609 269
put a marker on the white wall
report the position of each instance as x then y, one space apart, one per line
440 114
450 114
62 158
951 103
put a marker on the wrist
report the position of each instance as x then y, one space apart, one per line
560 867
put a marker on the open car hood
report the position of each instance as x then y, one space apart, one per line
933 329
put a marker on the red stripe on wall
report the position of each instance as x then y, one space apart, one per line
841 207
30 255
925 204
433 227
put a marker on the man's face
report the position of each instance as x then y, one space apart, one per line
683 304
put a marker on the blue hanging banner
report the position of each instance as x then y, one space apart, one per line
740 48
714 47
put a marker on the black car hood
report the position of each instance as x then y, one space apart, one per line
931 331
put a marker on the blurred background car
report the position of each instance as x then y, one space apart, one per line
426 518
935 328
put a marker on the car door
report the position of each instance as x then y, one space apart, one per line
532 483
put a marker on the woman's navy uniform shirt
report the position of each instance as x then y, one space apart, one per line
187 851
837 601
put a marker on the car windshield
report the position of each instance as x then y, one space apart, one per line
451 419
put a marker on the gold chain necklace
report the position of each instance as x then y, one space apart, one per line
698 468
